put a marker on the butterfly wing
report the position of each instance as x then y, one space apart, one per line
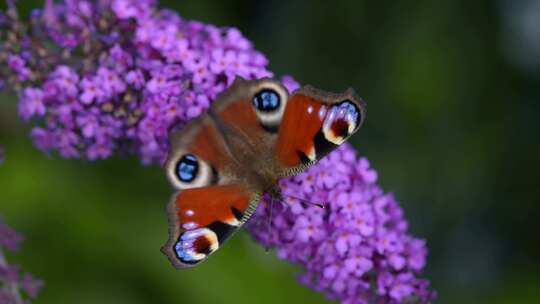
208 164
315 123
250 113
202 219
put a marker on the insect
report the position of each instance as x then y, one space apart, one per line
222 162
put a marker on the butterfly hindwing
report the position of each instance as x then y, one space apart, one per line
199 147
249 113
315 123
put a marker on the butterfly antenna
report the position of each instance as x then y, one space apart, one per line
269 223
304 201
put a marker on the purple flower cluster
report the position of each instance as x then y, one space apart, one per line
11 281
356 249
142 72
116 76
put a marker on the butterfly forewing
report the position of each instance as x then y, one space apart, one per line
314 124
202 219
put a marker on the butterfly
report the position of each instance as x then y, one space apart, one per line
253 134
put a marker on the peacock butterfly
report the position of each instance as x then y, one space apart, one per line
223 161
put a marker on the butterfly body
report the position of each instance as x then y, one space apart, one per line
245 148
222 162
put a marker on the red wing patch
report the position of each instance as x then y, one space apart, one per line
208 145
241 115
301 121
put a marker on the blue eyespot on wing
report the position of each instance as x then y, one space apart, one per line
266 100
187 168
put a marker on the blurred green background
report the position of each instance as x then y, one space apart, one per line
453 89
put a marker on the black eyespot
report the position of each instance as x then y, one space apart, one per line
266 100
187 168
